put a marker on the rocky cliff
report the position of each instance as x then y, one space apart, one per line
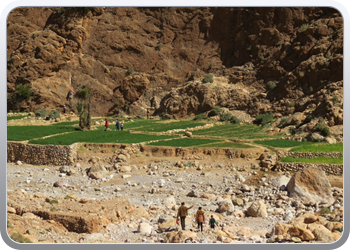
283 60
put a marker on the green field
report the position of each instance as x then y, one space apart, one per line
319 147
315 160
280 143
22 133
163 126
147 131
183 142
226 131
99 136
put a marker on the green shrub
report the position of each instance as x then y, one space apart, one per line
270 85
54 114
226 117
130 70
199 117
41 113
234 120
217 110
208 78
80 107
322 128
24 91
263 119
83 93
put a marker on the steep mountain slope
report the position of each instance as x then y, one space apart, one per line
283 60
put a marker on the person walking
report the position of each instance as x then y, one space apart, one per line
182 213
212 222
117 125
106 124
200 218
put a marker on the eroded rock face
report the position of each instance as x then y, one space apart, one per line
310 185
127 65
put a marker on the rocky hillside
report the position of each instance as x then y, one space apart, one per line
279 60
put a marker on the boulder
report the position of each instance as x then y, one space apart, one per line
310 185
62 183
169 202
167 225
321 233
257 209
268 160
226 206
97 168
302 233
179 237
95 175
279 181
237 201
144 228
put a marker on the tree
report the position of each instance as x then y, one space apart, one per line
84 113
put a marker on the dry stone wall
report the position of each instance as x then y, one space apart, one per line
331 169
41 154
310 154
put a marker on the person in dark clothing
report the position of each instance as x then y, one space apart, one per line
212 222
182 213
117 125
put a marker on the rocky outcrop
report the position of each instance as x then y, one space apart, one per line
259 61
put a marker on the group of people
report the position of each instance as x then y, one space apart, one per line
200 217
118 125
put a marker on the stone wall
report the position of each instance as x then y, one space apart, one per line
331 169
42 154
310 154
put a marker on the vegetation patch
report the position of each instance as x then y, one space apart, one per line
22 133
314 160
185 142
226 145
280 143
98 136
319 147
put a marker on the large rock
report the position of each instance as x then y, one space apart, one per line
226 206
310 185
169 202
144 228
180 236
257 209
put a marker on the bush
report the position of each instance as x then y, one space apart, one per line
83 93
41 113
199 117
234 120
322 128
208 78
217 110
130 70
270 85
263 119
24 91
54 114
226 117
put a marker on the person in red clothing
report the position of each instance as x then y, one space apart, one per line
106 124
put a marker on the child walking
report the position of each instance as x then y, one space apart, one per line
212 222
